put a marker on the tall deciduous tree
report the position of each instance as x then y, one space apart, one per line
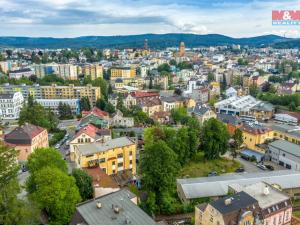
85 104
12 210
214 138
56 193
84 183
238 141
159 167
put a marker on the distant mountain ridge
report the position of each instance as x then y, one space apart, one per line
156 41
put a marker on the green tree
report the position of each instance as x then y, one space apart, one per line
39 159
85 104
214 139
64 111
292 106
56 193
36 114
155 177
210 77
179 115
164 67
12 210
84 183
173 62
184 65
253 90
238 141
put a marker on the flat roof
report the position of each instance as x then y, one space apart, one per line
218 185
92 148
286 146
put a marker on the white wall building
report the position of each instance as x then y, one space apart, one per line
10 105
54 103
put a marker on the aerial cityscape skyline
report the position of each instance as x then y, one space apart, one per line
73 18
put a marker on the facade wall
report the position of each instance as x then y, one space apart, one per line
111 161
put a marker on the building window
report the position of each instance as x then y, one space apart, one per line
88 156
120 155
120 164
113 163
130 162
113 171
211 218
102 160
130 153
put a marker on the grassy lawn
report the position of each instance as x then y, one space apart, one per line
199 167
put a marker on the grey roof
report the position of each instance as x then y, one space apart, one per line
286 146
264 106
199 109
218 186
95 147
288 129
106 215
6 96
238 201
229 119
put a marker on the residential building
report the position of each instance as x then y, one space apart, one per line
11 105
113 209
202 112
97 121
54 103
255 135
93 70
275 207
17 74
41 70
26 90
118 120
255 204
113 156
26 138
284 153
68 71
215 187
232 122
240 208
176 101
71 92
151 106
88 134
122 72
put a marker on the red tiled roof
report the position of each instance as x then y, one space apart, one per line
100 178
96 112
142 94
254 130
91 131
23 134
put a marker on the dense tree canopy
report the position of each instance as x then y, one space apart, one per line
13 211
214 137
36 114
84 183
56 193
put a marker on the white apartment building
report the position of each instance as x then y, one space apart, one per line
10 105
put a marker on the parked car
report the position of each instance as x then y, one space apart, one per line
269 167
57 146
212 174
240 170
261 166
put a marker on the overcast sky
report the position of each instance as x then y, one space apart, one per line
70 18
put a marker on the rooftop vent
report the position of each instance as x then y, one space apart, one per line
98 205
266 190
228 201
116 209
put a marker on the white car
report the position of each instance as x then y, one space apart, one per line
261 166
57 146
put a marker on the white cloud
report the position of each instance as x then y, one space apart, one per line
63 18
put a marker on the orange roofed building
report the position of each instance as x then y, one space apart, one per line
26 139
97 112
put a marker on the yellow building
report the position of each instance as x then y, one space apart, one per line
112 156
122 72
93 70
287 132
255 135
71 92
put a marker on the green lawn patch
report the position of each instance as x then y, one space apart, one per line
200 167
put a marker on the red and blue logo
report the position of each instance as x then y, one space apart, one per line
286 17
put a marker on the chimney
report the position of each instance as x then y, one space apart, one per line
266 190
98 205
116 209
227 201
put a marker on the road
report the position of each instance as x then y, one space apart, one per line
22 177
